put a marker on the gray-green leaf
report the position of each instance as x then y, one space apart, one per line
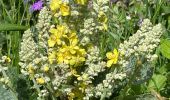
6 94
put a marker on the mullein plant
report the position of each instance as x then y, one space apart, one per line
62 59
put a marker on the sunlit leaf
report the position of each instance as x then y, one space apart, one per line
165 48
158 82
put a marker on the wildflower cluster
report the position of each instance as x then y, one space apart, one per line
61 57
64 45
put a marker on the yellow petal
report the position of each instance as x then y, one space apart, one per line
55 4
51 57
58 42
53 30
109 55
72 51
102 17
105 26
115 60
65 10
82 59
66 61
74 42
51 43
40 80
82 51
74 72
63 50
46 69
60 59
72 62
109 63
116 53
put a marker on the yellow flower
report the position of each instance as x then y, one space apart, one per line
52 57
74 72
76 60
71 96
40 81
55 4
81 2
62 29
73 39
8 60
64 9
56 35
46 69
102 18
105 26
30 69
54 38
63 56
72 55
113 57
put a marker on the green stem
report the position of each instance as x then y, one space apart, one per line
3 6
52 91
12 27
159 4
103 96
37 87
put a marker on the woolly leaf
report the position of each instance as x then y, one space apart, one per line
143 74
13 76
6 94
139 69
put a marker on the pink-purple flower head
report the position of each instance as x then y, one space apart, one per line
37 6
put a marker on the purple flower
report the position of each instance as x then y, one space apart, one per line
37 6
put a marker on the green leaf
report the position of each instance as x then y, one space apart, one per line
138 89
6 94
12 27
163 70
165 10
165 48
2 39
158 82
